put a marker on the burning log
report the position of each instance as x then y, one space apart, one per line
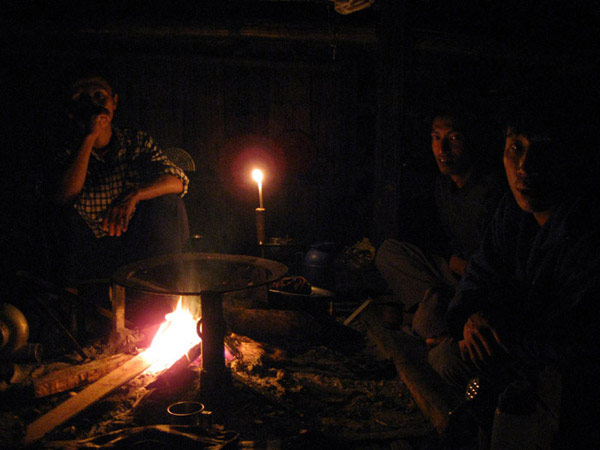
175 336
178 374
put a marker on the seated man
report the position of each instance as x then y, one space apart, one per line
121 194
529 297
466 196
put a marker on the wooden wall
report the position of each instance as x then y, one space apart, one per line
346 138
310 122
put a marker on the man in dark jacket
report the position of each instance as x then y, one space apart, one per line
529 297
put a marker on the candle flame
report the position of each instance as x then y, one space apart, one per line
257 175
176 335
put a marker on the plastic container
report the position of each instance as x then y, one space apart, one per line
515 420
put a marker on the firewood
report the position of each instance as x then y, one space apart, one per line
249 352
425 386
94 392
179 373
266 324
245 349
73 377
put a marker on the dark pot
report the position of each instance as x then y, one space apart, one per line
317 263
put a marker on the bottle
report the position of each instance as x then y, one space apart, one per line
515 419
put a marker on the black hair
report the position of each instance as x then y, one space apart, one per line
463 119
91 80
480 138
561 127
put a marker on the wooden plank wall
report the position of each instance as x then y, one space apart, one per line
213 106
213 109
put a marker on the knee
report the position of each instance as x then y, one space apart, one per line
161 215
429 320
164 209
166 203
389 251
446 361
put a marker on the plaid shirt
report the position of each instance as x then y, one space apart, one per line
133 159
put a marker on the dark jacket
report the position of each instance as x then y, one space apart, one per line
539 285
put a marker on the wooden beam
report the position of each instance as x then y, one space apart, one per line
410 358
75 376
346 35
273 324
73 406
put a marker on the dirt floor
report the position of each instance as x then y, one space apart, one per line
281 396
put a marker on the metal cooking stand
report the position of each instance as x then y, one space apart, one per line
207 275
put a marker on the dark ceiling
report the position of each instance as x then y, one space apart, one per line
561 25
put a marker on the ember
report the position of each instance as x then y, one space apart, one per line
173 339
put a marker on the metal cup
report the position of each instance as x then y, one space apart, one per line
185 413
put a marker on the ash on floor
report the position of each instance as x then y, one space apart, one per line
328 396
280 398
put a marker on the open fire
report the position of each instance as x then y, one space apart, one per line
176 335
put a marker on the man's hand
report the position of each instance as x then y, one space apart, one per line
120 211
457 265
481 340
119 214
97 124
74 176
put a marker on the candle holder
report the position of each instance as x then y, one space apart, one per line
260 226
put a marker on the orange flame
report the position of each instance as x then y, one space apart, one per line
173 339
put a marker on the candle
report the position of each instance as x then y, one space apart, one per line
257 175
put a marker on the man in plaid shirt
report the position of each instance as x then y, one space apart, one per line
123 195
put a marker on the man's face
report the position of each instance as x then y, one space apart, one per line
448 145
533 172
96 98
